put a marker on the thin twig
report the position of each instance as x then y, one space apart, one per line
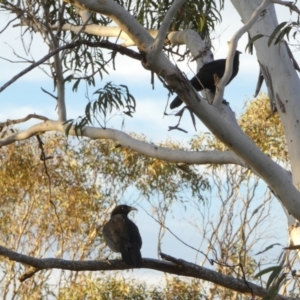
289 4
103 44
17 121
44 158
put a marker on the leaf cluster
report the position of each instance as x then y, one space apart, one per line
278 277
148 175
260 125
283 31
197 15
111 99
111 287
264 129
43 215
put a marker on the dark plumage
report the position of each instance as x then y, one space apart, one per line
122 235
206 76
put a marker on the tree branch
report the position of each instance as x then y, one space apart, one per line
18 121
57 66
121 17
178 267
163 153
103 44
289 4
232 48
235 284
95 29
165 25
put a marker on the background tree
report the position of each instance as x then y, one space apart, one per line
75 36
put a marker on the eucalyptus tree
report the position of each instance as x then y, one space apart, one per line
76 32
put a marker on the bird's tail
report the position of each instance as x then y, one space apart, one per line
136 257
175 103
132 257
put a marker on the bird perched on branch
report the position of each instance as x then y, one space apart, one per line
122 235
205 78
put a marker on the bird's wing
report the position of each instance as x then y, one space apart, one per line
122 235
113 232
214 67
120 232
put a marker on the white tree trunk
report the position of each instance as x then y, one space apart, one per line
283 85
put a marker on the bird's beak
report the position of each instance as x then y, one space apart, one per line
133 208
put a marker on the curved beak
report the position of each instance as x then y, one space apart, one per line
133 208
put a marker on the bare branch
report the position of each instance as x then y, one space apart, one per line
223 280
167 154
121 17
7 25
179 267
104 31
165 25
29 273
18 121
289 4
232 48
103 44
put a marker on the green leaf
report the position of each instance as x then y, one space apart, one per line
68 127
88 112
274 33
268 270
268 248
251 41
75 86
276 271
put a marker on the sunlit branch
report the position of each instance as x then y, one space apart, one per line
22 120
232 47
165 24
104 31
164 153
121 17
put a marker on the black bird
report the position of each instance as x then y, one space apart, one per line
205 77
122 235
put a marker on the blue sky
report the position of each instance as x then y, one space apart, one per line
150 103
25 96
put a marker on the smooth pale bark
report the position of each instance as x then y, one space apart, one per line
284 86
152 150
99 30
284 90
